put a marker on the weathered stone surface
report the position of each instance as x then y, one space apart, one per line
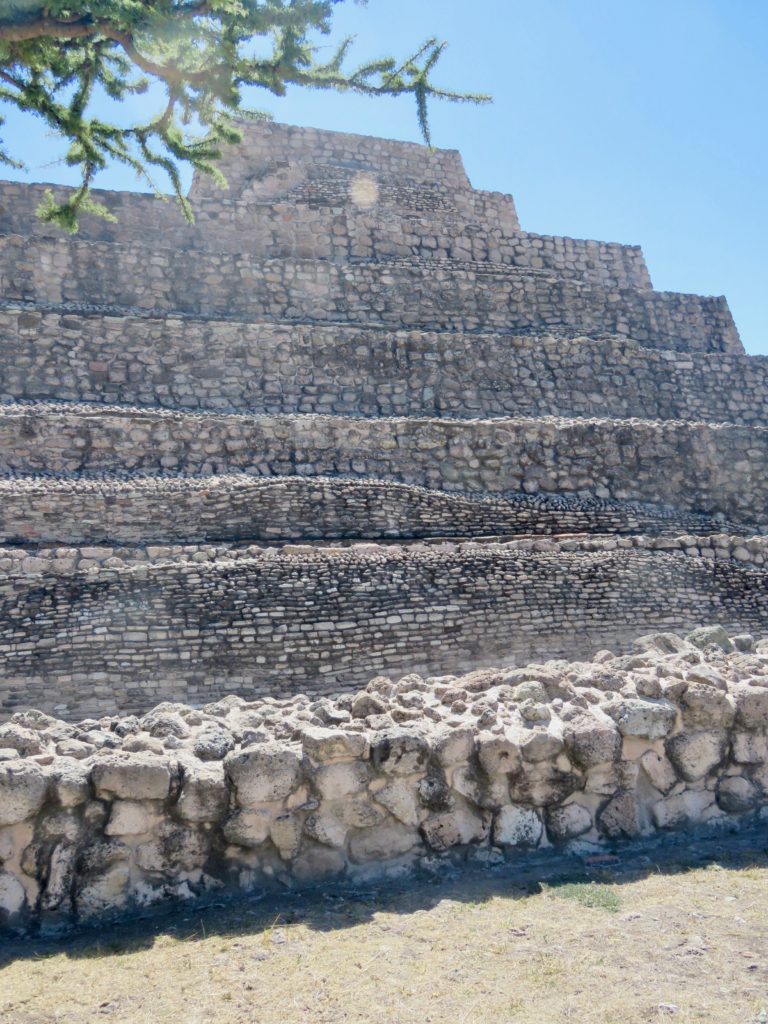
455 827
620 816
710 636
590 740
382 842
707 708
659 770
650 719
680 810
568 821
398 752
695 754
134 777
247 827
263 773
332 744
204 793
736 794
517 826
129 817
127 825
751 706
23 787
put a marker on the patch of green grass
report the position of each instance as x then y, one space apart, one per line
589 894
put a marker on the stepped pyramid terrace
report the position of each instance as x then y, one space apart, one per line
354 422
353 530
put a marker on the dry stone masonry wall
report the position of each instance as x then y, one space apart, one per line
111 816
323 619
184 363
352 344
277 509
698 467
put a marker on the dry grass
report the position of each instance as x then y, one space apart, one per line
685 947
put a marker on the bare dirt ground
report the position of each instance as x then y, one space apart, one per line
637 942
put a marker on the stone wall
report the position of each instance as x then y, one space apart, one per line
435 294
110 818
319 620
691 466
35 510
356 371
335 233
63 560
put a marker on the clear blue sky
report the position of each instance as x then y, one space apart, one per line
639 121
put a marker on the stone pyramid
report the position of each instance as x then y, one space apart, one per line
354 421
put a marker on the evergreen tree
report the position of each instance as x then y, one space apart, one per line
57 55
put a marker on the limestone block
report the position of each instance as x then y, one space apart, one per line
400 800
103 893
688 808
130 818
567 821
651 719
621 816
263 773
695 754
710 636
323 745
23 786
60 874
736 794
456 827
591 740
659 770
285 832
707 708
749 748
204 793
248 827
398 752
517 826
213 744
334 781
542 784
69 781
751 706
382 842
132 777
13 895
316 862
453 746
176 848
326 827
499 755
540 744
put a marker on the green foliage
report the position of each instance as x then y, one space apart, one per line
56 55
588 894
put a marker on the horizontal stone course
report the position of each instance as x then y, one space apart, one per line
321 620
240 507
61 560
486 231
696 467
280 368
448 295
105 818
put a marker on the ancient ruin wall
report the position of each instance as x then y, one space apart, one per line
277 368
451 295
239 507
105 819
319 620
336 233
691 466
